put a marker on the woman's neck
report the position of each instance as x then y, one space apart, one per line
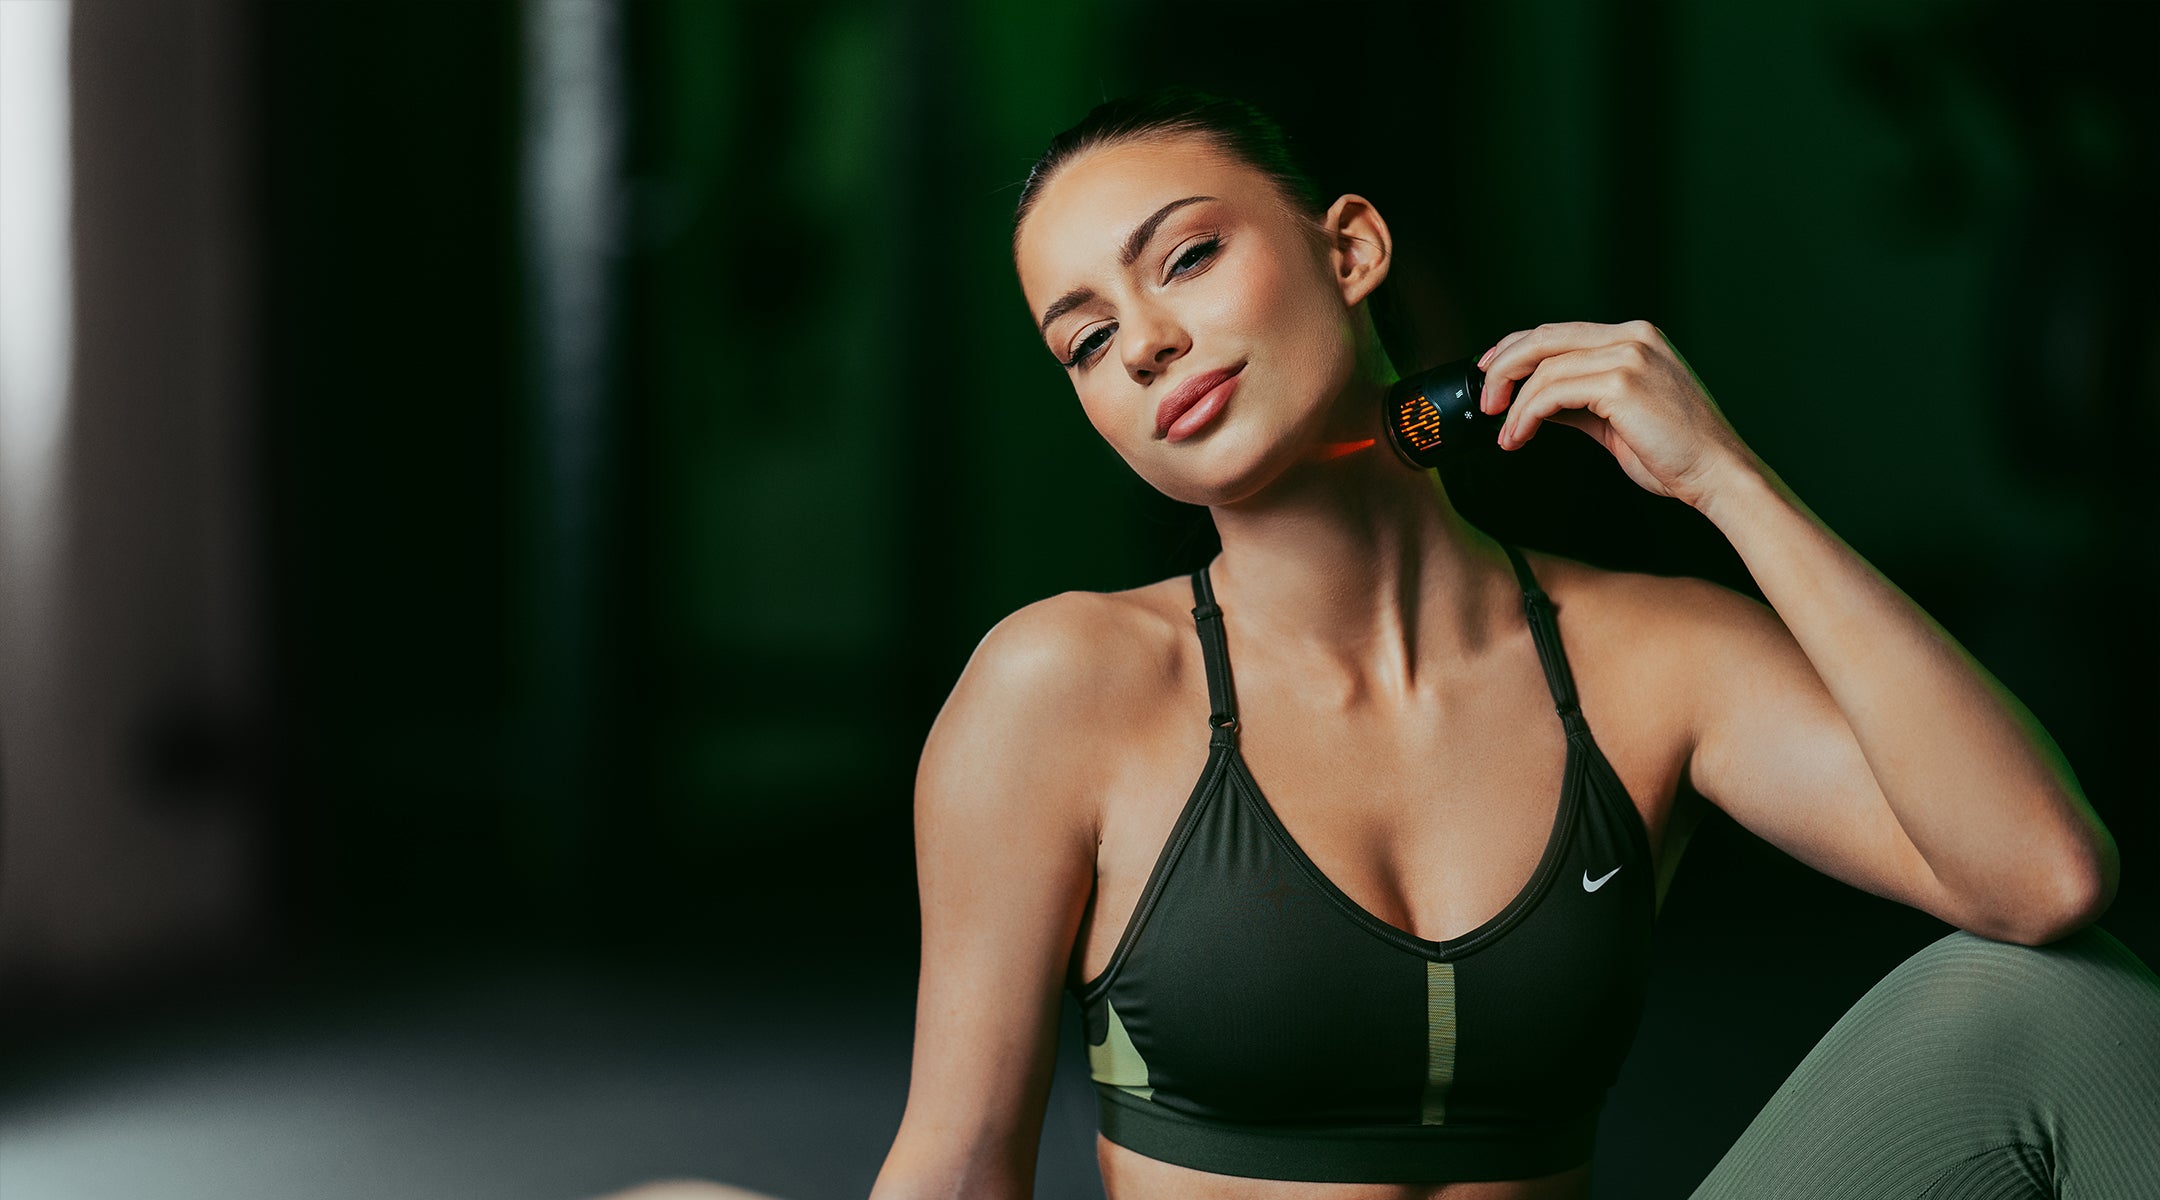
1362 563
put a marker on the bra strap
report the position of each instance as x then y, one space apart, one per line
1215 652
1545 631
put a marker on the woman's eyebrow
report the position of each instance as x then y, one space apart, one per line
1135 242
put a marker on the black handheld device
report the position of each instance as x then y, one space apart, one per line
1432 418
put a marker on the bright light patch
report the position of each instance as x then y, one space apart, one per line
1338 449
37 328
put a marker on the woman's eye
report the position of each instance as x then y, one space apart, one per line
1192 258
1089 345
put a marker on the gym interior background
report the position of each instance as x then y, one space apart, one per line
492 496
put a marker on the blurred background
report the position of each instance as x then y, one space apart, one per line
493 495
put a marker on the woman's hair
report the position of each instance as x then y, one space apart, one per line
1236 128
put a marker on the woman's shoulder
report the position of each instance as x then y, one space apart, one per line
1083 645
1639 619
1081 622
1048 688
1079 654
1635 595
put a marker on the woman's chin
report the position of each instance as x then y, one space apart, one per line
1230 471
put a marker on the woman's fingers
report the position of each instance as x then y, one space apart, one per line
1494 398
1552 403
1518 354
1541 395
1627 387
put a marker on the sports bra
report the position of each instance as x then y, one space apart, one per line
1256 1021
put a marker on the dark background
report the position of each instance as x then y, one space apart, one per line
533 472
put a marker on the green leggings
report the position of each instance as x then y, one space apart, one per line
1974 1069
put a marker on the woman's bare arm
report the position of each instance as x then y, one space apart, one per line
1850 729
1841 723
1005 838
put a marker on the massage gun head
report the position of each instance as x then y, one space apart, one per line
1432 417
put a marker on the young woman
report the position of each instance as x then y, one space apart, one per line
1368 916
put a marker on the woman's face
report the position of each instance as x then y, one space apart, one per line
1154 265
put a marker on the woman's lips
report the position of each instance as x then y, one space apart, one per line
1200 412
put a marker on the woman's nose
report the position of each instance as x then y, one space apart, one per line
1152 346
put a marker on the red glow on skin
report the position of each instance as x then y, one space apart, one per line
1338 449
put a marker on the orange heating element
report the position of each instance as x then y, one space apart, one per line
1419 424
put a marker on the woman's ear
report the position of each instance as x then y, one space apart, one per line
1359 247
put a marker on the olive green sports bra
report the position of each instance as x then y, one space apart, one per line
1255 1021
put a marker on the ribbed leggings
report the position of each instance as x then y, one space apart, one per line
1975 1069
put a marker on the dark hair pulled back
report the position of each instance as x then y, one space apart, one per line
1235 127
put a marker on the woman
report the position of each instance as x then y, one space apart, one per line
1392 942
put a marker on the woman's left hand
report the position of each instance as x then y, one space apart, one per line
1627 387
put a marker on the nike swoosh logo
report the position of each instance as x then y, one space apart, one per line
1589 886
